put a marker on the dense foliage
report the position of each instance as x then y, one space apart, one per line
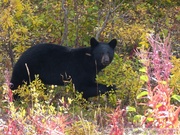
59 110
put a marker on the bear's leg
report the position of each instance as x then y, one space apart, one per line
95 90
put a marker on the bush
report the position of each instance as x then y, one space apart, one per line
126 76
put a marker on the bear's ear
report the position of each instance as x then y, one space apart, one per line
93 42
113 43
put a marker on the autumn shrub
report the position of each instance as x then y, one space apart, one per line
158 116
157 68
37 118
43 118
117 121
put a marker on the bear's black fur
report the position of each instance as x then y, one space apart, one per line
55 63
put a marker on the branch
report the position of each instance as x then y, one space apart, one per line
65 33
76 21
107 19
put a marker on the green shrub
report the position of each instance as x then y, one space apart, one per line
125 75
33 92
175 77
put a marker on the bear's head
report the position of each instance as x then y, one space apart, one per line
103 53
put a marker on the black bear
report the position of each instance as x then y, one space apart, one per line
55 63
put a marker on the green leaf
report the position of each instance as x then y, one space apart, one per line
149 119
143 93
144 70
144 78
137 118
176 97
130 109
152 20
95 7
178 17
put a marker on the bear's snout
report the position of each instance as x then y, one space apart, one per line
105 60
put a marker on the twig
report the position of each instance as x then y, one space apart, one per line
65 33
107 19
76 21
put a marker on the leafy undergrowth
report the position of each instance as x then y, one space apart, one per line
160 114
40 113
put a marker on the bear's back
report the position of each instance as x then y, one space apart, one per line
43 51
45 48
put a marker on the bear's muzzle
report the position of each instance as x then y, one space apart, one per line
105 60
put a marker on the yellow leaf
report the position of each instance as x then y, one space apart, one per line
5 1
144 78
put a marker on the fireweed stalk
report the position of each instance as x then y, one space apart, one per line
157 66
